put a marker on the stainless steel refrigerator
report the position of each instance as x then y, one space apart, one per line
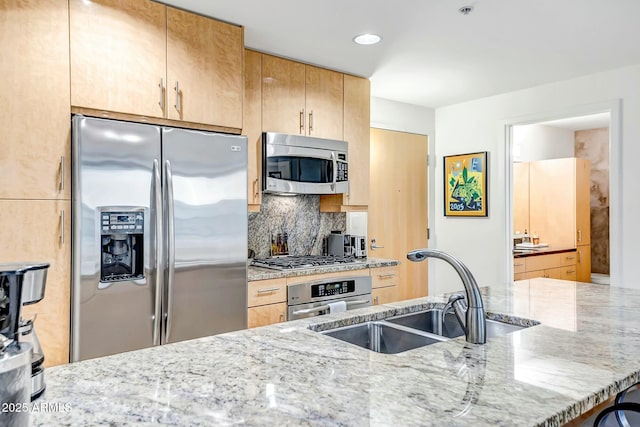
159 235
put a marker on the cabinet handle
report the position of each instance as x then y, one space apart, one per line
571 257
310 122
579 256
518 265
302 121
375 301
266 291
579 235
255 186
62 227
177 103
161 87
386 276
570 271
61 173
282 317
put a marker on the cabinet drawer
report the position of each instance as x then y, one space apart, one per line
542 262
384 276
261 292
519 265
562 273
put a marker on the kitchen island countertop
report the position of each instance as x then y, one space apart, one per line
260 273
583 352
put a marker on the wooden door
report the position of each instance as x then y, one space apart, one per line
521 197
324 103
252 125
35 150
552 201
583 202
118 56
204 60
42 233
397 216
283 96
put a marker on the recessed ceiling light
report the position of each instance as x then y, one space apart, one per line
366 39
465 10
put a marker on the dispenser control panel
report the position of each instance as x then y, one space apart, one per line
122 222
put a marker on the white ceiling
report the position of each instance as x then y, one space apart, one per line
430 54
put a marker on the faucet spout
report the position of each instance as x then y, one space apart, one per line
475 324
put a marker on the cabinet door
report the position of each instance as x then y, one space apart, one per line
384 295
40 231
324 103
562 273
583 202
357 123
552 183
35 155
204 70
118 56
252 123
583 265
267 315
283 96
521 197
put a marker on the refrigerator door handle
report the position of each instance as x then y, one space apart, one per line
157 192
171 249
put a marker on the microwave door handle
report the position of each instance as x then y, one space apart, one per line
335 170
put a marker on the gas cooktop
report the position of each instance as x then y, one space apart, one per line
305 261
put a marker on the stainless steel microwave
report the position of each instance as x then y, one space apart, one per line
296 164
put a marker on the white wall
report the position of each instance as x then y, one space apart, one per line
480 126
541 142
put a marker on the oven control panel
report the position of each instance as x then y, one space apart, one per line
333 288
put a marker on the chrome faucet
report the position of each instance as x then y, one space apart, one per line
470 314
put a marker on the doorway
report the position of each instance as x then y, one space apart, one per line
592 133
397 217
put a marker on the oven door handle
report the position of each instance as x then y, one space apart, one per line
326 307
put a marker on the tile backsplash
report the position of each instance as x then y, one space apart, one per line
299 217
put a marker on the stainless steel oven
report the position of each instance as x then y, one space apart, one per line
313 298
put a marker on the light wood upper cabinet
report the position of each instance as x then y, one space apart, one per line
204 70
324 103
301 99
252 124
43 235
118 56
283 96
521 197
35 154
559 201
356 120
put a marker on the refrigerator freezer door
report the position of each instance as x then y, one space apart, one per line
114 187
205 182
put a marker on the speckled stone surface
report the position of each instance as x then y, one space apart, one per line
299 217
584 351
259 273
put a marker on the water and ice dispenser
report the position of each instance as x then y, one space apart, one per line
122 245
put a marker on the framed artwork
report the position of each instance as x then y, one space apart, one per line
465 184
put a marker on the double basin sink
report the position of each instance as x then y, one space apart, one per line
409 331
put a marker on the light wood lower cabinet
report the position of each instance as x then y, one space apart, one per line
266 301
40 231
35 158
384 295
561 266
266 315
384 281
584 264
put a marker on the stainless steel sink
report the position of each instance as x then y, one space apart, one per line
431 321
383 337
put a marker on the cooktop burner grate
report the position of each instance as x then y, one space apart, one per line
305 261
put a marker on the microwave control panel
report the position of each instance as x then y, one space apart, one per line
333 288
342 174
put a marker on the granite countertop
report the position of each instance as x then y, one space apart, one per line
583 352
522 253
259 273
